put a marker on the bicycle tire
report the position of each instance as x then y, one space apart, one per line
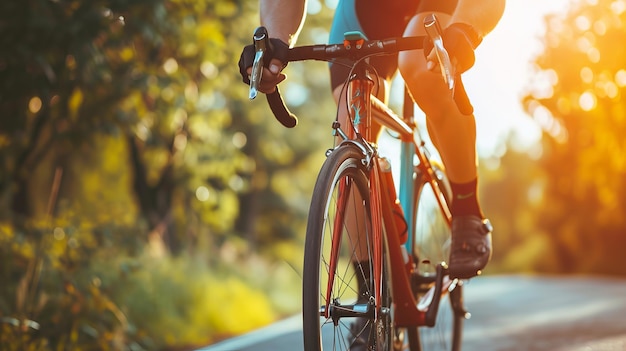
343 166
431 246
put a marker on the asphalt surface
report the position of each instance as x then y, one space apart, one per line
509 313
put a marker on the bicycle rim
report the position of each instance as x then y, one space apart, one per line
341 174
431 246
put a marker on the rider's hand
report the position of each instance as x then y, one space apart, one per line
460 40
275 62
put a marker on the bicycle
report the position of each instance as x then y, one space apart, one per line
406 279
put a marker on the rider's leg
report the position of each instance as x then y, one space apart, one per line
454 136
453 133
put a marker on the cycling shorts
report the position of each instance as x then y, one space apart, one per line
377 19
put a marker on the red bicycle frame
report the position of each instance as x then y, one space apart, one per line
363 106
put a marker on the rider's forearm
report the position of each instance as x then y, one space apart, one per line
483 15
283 19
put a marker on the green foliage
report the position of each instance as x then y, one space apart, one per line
76 289
518 247
143 198
158 77
581 107
46 304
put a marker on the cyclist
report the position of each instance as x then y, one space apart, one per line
450 120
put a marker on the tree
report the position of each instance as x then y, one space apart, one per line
128 111
134 72
579 101
158 82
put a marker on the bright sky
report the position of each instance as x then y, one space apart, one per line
502 71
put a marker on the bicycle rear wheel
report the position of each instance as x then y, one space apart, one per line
339 235
431 247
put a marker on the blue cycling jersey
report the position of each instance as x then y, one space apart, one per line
378 19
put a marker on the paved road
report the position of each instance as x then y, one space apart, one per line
509 313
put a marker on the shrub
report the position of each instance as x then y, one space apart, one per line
81 288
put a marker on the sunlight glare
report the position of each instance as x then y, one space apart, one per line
620 78
583 23
548 123
313 7
599 27
584 44
512 47
587 101
594 55
59 233
586 74
543 84
236 183
611 90
202 193
240 140
208 69
297 94
34 105
618 7
170 66
536 192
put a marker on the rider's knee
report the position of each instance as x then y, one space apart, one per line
429 92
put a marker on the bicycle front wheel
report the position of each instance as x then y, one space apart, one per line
338 292
431 247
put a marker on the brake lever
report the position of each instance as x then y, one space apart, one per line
277 105
433 29
260 39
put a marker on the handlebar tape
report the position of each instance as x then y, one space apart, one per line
280 110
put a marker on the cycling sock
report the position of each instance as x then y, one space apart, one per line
465 199
363 276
